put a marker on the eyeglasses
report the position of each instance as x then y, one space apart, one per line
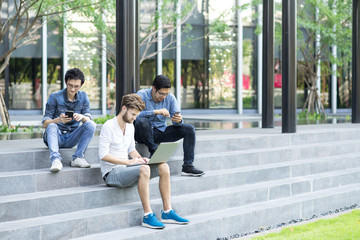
162 94
76 87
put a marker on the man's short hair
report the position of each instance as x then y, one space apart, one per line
74 74
133 101
161 81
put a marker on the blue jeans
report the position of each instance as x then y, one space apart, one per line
81 136
152 137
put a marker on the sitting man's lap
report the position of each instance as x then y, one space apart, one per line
127 176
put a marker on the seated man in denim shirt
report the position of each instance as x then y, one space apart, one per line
64 131
151 128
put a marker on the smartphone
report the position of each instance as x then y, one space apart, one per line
69 113
176 113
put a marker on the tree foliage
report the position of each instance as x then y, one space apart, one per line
19 23
329 23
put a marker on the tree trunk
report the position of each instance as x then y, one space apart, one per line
5 118
313 102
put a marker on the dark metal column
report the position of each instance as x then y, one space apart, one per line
268 64
126 43
356 63
289 66
137 47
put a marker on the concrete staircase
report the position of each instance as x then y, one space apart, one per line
254 178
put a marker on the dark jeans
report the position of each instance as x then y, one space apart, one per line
152 137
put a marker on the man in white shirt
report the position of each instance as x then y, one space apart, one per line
116 145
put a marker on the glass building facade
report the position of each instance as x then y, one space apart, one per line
213 75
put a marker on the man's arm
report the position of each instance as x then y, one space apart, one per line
116 160
49 113
79 117
173 108
85 112
61 119
135 159
148 111
135 154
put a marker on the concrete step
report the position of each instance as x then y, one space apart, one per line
33 158
231 222
39 180
250 173
38 158
268 138
195 207
42 180
30 154
251 157
22 206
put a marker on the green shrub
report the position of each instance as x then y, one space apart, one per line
103 119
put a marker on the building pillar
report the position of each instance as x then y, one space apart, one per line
318 64
268 64
65 49
44 65
260 62
159 58
178 54
356 63
239 60
334 81
103 71
126 62
289 61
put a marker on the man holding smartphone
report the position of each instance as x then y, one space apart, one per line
151 128
65 109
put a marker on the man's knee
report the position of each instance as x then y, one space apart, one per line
90 125
145 171
142 123
164 169
189 129
52 127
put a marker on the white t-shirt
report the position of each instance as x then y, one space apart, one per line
113 141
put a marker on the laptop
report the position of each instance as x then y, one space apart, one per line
162 154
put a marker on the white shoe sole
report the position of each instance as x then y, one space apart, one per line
149 226
75 165
192 174
171 221
55 170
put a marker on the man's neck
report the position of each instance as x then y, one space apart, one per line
152 95
121 122
71 98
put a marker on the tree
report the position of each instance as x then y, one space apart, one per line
104 22
329 22
20 20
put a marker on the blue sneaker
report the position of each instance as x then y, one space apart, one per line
151 221
172 217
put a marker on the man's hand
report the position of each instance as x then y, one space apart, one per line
64 119
176 118
79 117
163 112
138 160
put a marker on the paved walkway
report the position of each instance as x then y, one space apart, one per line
35 120
37 143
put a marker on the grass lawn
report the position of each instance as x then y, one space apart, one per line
343 227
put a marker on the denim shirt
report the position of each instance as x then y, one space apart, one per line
158 121
58 103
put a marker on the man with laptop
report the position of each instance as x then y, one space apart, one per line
151 128
116 145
